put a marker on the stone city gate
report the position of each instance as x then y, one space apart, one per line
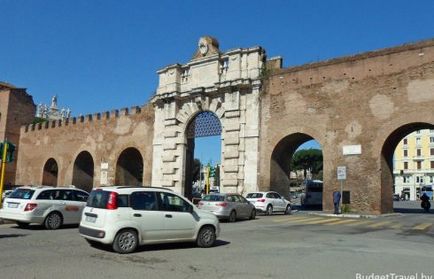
225 84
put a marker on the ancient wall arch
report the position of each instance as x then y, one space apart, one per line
83 172
386 158
129 168
50 173
280 161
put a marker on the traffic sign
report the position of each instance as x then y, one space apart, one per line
342 173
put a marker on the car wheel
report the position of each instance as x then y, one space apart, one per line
125 242
206 237
253 214
232 216
23 225
53 221
288 210
269 210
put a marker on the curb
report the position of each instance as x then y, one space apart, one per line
344 215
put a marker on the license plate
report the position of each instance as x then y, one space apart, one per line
90 219
13 205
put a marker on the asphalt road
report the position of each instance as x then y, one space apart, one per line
280 246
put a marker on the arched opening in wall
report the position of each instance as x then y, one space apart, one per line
82 175
129 168
407 168
203 155
297 171
50 173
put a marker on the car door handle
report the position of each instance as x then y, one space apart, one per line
137 215
168 215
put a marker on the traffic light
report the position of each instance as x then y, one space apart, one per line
1 150
10 152
211 172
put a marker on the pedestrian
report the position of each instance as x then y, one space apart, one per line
336 201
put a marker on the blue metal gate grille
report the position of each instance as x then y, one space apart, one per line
205 124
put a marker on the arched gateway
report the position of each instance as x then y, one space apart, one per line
226 84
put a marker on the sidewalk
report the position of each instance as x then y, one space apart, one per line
346 215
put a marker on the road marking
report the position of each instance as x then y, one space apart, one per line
339 222
396 226
289 219
362 222
313 222
306 220
422 226
380 224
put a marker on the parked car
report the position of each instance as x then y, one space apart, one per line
126 217
50 206
269 202
228 206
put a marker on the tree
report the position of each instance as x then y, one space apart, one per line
306 159
196 169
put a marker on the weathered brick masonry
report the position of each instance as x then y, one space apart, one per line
371 100
104 136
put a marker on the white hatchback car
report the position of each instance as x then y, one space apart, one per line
50 206
127 217
269 202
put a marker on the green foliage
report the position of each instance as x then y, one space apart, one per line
345 208
37 120
196 170
306 159
217 175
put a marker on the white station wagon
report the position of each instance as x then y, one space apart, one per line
50 206
127 217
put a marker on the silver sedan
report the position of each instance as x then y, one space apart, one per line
228 206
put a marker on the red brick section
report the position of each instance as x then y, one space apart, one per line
17 109
371 99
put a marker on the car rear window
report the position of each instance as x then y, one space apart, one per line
254 195
98 199
25 194
213 198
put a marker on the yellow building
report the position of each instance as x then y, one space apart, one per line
414 163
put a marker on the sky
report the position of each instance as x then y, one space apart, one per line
100 55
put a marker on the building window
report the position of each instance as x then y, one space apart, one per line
419 179
431 139
405 141
431 151
419 152
432 164
431 131
406 165
419 165
417 141
406 179
431 179
418 132
405 153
